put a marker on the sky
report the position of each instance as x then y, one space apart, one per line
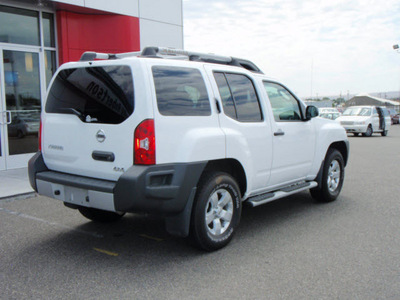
316 48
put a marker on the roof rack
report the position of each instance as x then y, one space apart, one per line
171 53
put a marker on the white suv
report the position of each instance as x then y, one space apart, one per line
184 135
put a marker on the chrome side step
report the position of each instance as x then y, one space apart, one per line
283 192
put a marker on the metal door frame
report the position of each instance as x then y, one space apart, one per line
18 160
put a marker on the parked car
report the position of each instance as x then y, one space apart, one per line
394 115
32 125
17 128
329 113
187 136
366 120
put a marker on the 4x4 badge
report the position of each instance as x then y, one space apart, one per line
100 136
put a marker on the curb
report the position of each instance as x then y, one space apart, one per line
18 197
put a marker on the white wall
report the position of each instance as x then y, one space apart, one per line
123 7
160 34
167 11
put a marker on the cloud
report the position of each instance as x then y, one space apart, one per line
343 45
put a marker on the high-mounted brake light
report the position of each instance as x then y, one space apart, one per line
145 143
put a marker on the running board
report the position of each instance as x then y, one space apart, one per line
283 192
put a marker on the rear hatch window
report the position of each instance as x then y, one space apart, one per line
94 94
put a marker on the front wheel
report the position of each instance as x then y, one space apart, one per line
332 178
369 131
216 212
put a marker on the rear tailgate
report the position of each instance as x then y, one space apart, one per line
90 117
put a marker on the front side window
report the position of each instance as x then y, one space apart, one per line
180 91
239 98
284 106
94 94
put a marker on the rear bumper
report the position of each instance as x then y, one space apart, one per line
158 189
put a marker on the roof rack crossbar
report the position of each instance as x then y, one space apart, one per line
197 56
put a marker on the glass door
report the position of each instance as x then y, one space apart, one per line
3 121
21 105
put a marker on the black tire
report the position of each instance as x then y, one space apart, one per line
369 131
384 133
355 134
216 211
98 215
332 182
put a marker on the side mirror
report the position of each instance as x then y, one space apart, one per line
311 112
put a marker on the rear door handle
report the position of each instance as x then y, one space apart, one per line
278 133
103 156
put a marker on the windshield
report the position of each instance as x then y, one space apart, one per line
357 111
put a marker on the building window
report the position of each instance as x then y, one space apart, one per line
48 30
22 26
50 65
19 26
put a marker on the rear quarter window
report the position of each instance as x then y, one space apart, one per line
94 94
180 91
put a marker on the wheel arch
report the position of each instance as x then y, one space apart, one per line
230 166
342 147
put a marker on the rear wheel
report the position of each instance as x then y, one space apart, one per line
99 215
355 134
384 133
332 178
216 212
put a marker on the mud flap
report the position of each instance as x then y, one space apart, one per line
178 225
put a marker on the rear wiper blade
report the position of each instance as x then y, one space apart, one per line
74 112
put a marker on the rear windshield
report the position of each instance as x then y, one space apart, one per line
93 94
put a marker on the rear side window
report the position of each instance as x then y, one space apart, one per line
239 97
180 92
94 94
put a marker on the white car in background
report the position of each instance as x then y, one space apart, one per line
365 120
329 113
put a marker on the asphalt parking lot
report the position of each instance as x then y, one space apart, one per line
288 249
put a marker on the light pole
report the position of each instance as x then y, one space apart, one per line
396 47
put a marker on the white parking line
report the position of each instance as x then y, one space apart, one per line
18 214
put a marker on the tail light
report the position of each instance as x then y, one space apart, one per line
40 135
145 143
